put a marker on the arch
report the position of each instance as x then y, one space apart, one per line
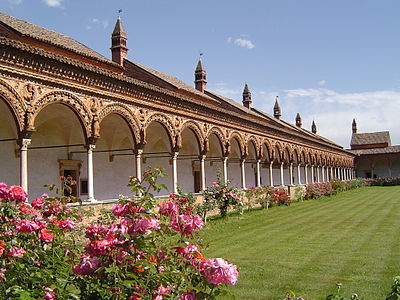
239 138
287 154
82 112
195 128
296 155
267 145
125 113
278 151
166 122
303 157
256 143
14 102
221 138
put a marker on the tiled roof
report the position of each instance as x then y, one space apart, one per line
371 138
385 150
49 36
171 80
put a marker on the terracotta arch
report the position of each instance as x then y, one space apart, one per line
81 111
195 128
126 114
279 148
239 138
303 157
14 102
221 138
296 154
252 139
287 154
166 122
268 145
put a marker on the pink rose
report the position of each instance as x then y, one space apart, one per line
191 295
38 203
145 224
16 252
17 193
220 271
49 294
3 191
65 224
87 267
26 226
168 209
46 235
187 224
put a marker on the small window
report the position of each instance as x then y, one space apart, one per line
84 187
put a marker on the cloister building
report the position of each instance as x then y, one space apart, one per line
375 154
67 110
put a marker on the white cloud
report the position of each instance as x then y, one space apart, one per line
245 43
333 112
53 3
96 22
322 82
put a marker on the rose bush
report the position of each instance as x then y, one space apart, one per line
146 250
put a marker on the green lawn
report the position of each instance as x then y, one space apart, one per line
352 238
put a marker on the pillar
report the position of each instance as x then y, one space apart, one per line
203 172
225 168
282 178
318 178
305 174
312 174
323 173
90 148
24 163
175 172
271 178
138 156
258 173
243 172
298 174
291 174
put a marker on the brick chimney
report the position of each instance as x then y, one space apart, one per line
119 49
200 77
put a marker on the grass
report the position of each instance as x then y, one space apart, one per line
352 238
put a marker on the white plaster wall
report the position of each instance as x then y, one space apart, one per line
212 167
250 171
111 177
276 176
234 174
161 162
264 175
185 175
9 163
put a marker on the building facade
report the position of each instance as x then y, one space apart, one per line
67 110
375 155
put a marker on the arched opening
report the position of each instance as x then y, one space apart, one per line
9 162
58 149
251 165
234 169
286 169
214 159
276 168
265 163
189 169
296 164
114 160
157 153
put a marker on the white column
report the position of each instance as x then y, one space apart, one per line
318 174
258 173
282 179
203 172
90 149
291 174
24 163
323 173
306 174
271 178
298 174
312 173
331 172
243 172
175 172
225 168
139 153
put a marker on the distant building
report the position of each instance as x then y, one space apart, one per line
375 155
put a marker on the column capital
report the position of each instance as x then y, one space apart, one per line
24 143
138 151
174 154
90 147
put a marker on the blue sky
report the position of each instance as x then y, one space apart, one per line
331 60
